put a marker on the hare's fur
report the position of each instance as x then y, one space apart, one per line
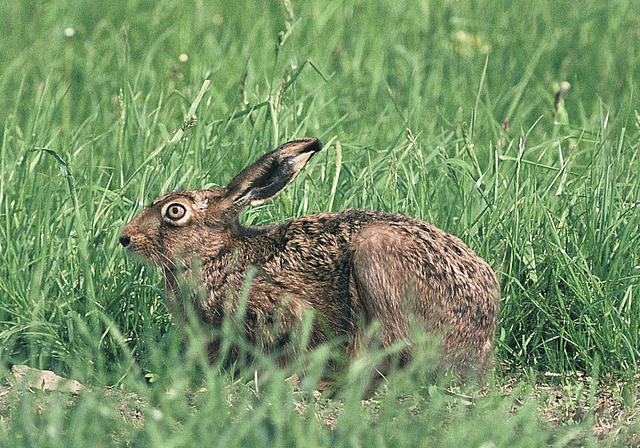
354 267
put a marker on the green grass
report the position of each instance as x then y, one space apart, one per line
441 110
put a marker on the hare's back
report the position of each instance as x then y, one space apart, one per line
394 249
397 245
410 247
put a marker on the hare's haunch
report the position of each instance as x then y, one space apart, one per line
354 267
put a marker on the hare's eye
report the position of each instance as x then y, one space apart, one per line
175 211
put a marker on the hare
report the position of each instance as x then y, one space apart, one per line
352 268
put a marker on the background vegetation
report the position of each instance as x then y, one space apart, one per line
513 125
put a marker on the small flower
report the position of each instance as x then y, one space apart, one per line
467 44
69 32
183 58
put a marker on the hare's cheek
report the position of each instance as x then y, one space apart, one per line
154 254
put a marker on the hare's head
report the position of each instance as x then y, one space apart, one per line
184 225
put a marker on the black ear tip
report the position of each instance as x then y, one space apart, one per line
315 144
294 148
308 144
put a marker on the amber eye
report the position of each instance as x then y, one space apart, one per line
175 211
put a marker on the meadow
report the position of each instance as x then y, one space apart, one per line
513 125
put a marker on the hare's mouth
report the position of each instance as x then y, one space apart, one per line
130 252
146 257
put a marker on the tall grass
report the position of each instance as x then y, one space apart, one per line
442 110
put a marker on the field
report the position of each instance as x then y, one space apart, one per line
513 125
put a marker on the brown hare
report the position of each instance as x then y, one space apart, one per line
353 268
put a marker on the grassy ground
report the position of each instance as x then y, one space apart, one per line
513 125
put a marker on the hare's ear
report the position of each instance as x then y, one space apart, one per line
271 173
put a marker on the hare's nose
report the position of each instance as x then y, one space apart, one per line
125 240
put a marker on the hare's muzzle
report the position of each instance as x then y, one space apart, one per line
125 240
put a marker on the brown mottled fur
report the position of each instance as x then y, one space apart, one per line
354 267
